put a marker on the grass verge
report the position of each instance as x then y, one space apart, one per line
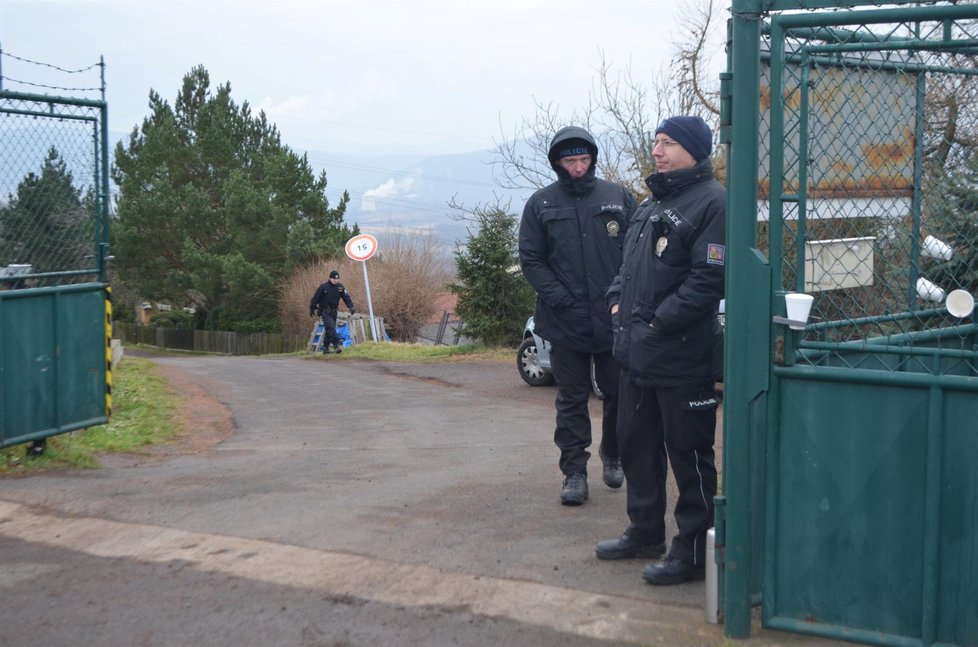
421 353
143 415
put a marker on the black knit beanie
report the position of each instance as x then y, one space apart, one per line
691 133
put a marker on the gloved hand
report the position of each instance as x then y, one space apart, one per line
352 311
312 312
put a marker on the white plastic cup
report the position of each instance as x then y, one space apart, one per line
928 291
935 248
798 305
960 303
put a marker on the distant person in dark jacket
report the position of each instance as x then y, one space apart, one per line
664 304
570 244
325 303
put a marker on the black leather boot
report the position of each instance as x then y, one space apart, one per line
673 571
626 548
574 490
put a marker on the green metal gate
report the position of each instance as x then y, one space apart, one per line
850 505
55 373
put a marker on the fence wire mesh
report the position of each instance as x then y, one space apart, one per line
49 180
877 159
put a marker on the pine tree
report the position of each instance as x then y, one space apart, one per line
214 211
47 223
951 206
494 299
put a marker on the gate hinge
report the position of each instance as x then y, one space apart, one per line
726 103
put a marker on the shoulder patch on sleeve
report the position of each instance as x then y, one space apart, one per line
715 254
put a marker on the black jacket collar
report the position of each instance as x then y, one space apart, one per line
577 186
663 185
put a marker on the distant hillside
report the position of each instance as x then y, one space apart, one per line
401 192
386 191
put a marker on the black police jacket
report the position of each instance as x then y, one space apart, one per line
327 297
570 243
671 281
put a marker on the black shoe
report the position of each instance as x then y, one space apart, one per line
625 548
36 447
611 472
574 491
337 350
673 571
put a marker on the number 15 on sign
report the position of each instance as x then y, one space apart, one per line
362 247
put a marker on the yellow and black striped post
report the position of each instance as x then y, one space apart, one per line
108 350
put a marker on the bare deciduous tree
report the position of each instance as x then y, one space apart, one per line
622 112
701 40
404 277
521 158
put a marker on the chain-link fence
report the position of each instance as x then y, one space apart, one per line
55 356
848 431
49 188
876 126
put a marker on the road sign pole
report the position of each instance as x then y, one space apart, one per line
370 302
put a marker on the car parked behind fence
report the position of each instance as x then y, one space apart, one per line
533 358
533 355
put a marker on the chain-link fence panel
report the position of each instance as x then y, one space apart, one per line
877 217
50 188
55 355
849 484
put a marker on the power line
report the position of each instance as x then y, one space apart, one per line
386 129
385 171
403 203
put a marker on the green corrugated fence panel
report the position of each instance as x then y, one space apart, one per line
957 617
27 363
850 512
852 518
843 170
82 355
52 361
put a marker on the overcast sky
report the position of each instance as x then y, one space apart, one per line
411 76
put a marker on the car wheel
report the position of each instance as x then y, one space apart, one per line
528 362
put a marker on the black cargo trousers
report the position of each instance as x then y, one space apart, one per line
572 373
330 337
678 423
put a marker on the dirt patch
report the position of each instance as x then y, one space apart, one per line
388 370
203 420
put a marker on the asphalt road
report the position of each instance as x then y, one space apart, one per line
355 503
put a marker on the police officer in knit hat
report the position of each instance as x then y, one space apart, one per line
664 305
325 302
570 243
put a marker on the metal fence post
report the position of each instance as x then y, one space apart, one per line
743 267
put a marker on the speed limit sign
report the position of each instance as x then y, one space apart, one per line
362 247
